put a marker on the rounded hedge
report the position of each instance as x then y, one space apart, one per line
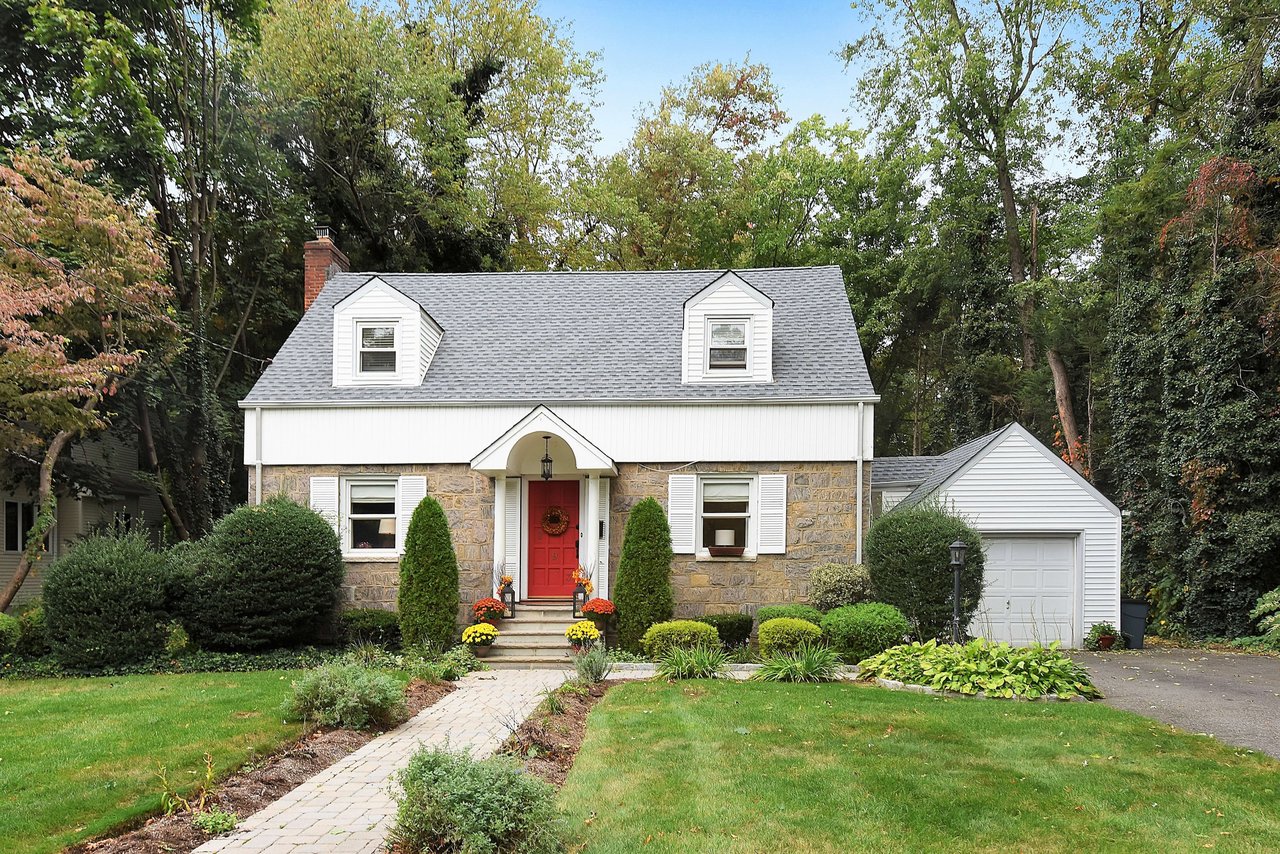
685 634
428 597
786 634
370 625
734 629
834 585
642 587
808 613
861 631
10 632
267 576
909 554
105 604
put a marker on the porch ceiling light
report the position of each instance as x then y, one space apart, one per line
546 458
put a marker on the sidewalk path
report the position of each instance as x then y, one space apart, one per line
347 808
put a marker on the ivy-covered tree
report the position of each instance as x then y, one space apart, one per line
642 589
428 598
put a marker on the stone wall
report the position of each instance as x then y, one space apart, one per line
821 528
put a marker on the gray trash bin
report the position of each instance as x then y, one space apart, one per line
1133 621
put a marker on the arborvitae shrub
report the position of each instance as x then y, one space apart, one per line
428 604
642 589
266 576
909 555
104 602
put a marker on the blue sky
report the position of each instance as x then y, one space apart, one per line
646 45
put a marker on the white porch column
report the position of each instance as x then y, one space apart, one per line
591 542
499 521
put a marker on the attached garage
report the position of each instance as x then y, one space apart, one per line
1052 541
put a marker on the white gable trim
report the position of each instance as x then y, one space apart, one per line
494 459
730 277
417 334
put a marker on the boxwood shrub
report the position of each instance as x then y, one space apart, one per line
861 631
807 613
10 632
370 625
677 633
104 602
33 636
267 576
786 634
833 585
734 629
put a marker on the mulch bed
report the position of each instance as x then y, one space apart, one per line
257 784
547 743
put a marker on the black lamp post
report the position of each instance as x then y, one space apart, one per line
958 548
546 458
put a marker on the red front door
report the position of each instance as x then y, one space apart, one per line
553 536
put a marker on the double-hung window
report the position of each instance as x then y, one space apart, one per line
724 511
19 519
371 515
376 349
727 345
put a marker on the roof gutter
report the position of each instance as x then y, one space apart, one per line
532 402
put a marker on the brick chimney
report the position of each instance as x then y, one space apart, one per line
321 259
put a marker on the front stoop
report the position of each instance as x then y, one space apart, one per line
534 637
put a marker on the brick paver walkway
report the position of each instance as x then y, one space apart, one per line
348 808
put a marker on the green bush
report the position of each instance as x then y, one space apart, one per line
33 633
348 696
698 662
104 602
834 585
998 669
808 613
267 576
809 663
431 666
370 625
642 588
734 629
861 631
592 665
428 603
909 552
451 802
786 634
1267 613
661 637
10 633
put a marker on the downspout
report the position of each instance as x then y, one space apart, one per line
257 453
862 447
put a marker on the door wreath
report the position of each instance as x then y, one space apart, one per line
555 521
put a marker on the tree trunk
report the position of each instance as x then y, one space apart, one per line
47 501
153 459
1017 259
1066 412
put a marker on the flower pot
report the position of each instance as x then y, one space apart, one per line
601 621
1106 641
481 651
726 551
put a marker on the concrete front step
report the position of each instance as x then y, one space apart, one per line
521 625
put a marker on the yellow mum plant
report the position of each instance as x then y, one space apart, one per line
582 633
481 634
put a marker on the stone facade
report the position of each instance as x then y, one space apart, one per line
821 528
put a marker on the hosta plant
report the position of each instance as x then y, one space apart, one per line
997 669
1267 613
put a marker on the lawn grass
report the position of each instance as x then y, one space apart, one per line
732 767
79 756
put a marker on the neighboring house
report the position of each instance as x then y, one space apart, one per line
538 408
1052 541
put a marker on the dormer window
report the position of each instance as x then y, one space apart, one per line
377 348
727 344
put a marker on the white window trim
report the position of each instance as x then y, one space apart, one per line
344 512
750 548
51 536
709 372
375 377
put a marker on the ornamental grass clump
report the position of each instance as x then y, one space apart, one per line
996 669
786 634
348 696
698 662
449 802
809 663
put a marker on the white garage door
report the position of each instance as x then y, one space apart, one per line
1030 590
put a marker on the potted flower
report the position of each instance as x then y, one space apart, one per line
479 638
488 610
599 611
582 635
1102 636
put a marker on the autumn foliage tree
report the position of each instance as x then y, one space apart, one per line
83 298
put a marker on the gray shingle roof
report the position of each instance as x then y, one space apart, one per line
901 470
580 336
948 464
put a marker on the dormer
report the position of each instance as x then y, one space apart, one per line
728 333
382 338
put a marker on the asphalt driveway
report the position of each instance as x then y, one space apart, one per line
1233 697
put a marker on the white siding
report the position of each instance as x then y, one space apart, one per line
1016 488
729 300
430 337
890 497
371 435
417 336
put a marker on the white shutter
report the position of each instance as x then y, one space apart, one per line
773 514
602 553
682 499
511 561
324 500
410 490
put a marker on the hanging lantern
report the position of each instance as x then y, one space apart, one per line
546 458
